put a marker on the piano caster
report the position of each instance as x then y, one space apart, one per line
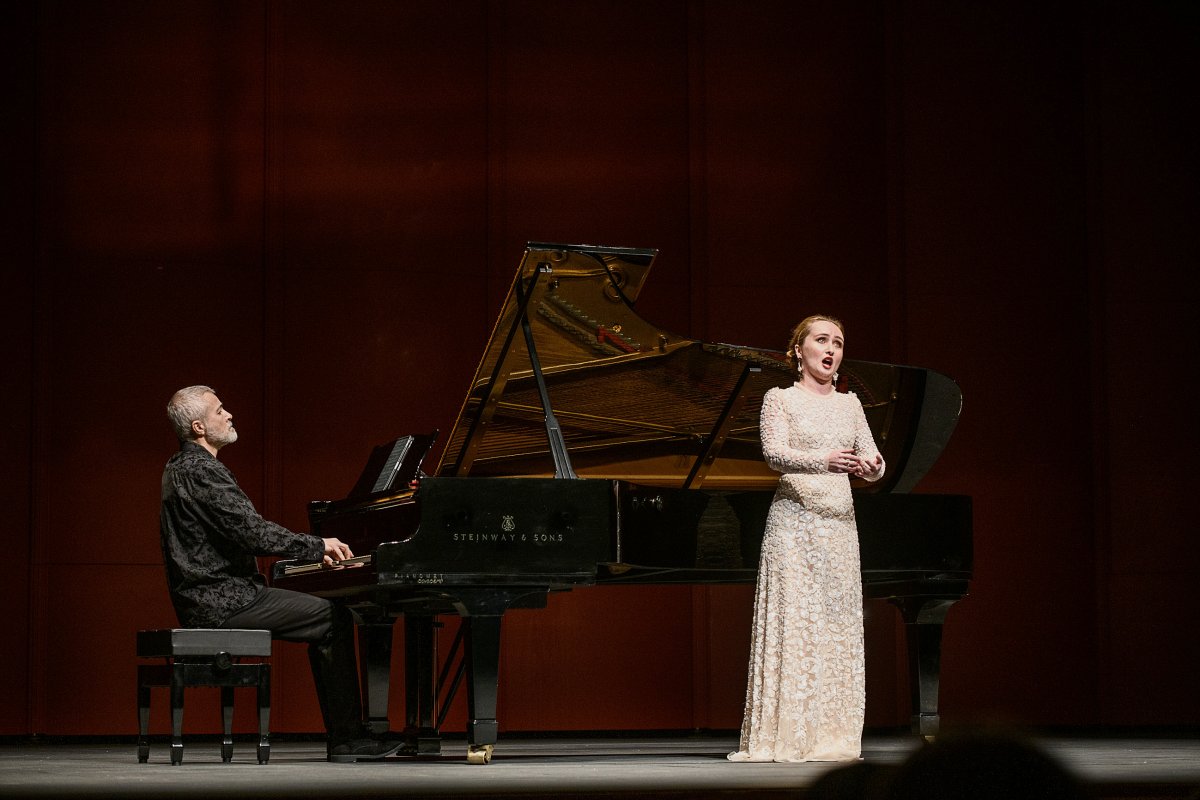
479 754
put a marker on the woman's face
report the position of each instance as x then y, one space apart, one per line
820 354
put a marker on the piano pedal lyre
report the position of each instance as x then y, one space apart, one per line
479 753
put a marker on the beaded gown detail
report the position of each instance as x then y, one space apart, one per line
806 694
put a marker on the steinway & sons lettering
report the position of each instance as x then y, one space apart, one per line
489 538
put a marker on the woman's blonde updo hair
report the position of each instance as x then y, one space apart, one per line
801 331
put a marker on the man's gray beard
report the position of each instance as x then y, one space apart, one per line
223 439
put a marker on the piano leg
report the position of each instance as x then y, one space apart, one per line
420 662
483 660
374 663
923 618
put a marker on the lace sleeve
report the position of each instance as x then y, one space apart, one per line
864 441
773 427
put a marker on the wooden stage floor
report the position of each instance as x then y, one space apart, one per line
592 767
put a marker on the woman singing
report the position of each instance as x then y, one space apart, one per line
806 694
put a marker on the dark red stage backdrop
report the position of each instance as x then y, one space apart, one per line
316 208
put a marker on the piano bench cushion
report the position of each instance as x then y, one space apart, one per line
201 642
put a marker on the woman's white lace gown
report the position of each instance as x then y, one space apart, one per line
806 694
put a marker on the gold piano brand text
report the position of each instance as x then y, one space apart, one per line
488 538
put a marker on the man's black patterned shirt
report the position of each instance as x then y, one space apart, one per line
210 537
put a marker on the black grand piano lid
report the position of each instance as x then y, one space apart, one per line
640 403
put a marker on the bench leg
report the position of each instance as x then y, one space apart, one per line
227 723
177 686
178 676
143 700
264 713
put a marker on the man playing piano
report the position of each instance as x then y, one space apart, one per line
211 534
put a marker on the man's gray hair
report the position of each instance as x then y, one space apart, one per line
186 406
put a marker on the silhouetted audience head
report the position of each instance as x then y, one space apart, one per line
982 766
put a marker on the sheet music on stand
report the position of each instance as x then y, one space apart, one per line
390 467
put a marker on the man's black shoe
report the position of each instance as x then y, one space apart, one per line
364 750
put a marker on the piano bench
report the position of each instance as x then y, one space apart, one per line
203 657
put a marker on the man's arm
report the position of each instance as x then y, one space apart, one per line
234 517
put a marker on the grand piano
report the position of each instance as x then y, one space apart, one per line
592 448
